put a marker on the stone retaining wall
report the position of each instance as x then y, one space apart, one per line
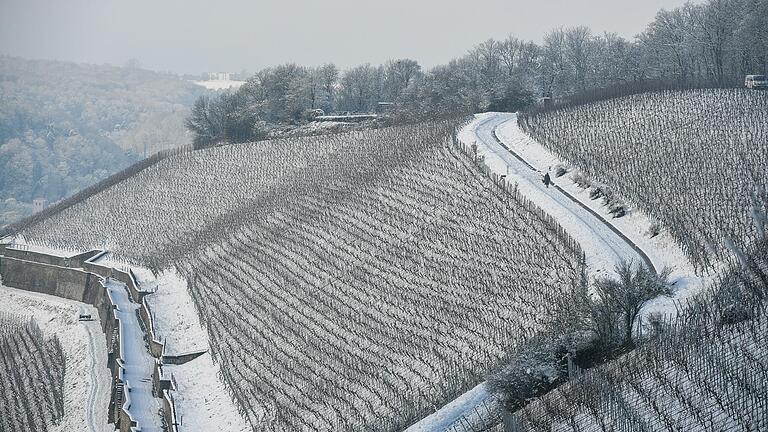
78 278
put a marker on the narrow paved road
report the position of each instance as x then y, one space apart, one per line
603 245
142 405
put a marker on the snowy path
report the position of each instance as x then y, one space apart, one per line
459 410
660 250
98 392
142 405
603 245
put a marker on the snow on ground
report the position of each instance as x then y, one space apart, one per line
219 84
87 381
201 398
603 247
175 317
202 403
452 412
108 260
662 249
138 364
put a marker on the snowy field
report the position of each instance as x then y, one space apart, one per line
87 379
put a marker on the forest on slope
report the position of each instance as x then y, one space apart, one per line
65 126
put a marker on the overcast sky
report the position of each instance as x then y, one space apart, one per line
192 36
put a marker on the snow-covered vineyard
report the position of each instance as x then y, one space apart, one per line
32 370
336 258
707 370
364 280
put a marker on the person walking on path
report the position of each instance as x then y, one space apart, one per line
547 180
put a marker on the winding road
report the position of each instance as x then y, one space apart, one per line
603 244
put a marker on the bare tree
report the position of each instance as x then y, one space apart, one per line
626 295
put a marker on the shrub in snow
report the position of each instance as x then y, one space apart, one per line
704 371
532 370
596 193
617 210
581 180
622 298
653 230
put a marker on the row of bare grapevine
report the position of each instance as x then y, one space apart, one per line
32 371
368 303
689 159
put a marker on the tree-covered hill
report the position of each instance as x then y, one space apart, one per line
64 126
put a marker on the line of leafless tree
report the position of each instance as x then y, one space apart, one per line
710 44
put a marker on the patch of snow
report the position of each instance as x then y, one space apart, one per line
109 260
463 407
175 317
202 403
87 381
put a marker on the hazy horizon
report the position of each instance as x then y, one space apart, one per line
193 37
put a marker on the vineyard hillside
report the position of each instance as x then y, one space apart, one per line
53 366
352 281
705 370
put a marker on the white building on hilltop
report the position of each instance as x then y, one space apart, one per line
39 204
218 76
219 81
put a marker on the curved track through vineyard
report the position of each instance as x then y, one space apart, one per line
604 245
695 160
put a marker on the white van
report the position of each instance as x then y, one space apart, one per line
756 82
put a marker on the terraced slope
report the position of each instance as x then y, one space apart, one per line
347 282
32 371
